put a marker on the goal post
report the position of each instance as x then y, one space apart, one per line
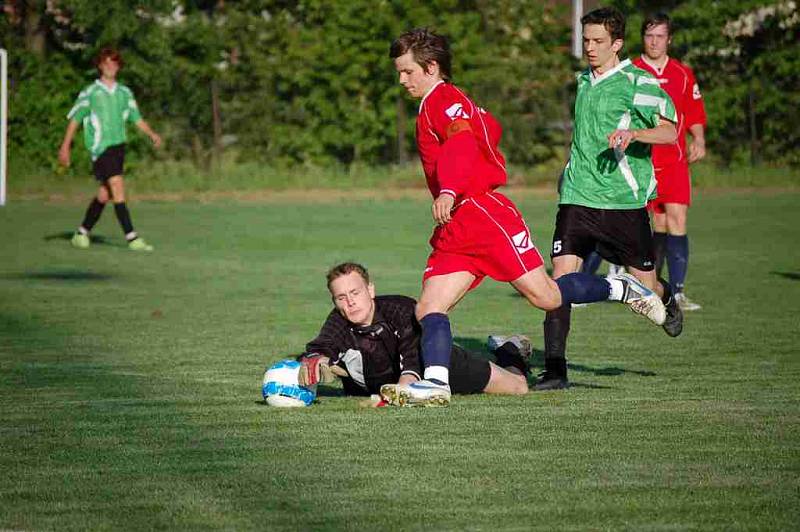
3 122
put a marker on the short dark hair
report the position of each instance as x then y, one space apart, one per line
108 53
426 46
346 268
610 18
658 19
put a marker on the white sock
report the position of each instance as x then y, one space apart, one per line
82 230
440 373
617 290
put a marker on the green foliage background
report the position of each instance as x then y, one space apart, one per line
309 82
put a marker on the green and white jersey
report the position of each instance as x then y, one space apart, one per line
104 112
625 97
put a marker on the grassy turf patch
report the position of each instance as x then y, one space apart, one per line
129 384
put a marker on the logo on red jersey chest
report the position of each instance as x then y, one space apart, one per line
456 111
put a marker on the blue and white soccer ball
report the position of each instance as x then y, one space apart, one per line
281 387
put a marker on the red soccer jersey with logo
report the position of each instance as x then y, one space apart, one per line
679 82
452 162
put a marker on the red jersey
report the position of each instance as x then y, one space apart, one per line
679 82
458 160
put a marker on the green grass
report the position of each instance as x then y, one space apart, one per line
130 384
160 176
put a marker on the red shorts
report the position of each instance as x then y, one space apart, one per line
673 186
486 236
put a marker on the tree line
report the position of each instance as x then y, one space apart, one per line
310 82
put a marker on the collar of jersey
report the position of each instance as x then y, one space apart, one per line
105 87
606 75
658 71
428 93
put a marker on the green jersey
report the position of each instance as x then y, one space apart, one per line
625 97
103 112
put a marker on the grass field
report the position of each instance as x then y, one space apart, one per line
130 384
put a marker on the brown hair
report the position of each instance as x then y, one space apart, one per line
344 269
108 53
610 18
426 47
657 20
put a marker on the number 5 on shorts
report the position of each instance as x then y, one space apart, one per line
556 247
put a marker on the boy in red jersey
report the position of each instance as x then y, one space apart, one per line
479 231
671 161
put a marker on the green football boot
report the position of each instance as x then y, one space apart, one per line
138 244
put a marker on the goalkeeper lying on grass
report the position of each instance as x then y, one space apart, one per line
374 342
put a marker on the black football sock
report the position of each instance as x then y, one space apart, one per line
124 218
556 330
93 213
659 251
667 297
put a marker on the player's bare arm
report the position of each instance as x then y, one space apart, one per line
145 128
66 144
664 133
697 149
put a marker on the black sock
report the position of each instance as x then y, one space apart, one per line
93 213
124 218
659 251
556 330
667 297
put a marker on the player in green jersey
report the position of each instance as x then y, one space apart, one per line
620 111
104 108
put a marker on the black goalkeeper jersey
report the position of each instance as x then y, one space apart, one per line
376 354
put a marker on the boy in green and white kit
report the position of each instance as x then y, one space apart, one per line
620 110
104 108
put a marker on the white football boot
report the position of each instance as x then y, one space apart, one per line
423 393
641 299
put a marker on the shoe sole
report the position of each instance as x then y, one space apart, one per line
525 351
657 315
438 400
390 394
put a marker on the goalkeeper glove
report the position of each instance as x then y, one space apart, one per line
316 369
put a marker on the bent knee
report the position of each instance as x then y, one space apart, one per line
422 310
547 302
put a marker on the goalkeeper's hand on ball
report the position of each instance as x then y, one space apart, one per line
317 369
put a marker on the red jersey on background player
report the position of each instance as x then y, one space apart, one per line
479 231
671 162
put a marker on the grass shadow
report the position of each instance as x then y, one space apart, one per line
95 239
611 371
589 386
58 275
792 276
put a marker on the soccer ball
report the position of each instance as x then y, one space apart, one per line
281 387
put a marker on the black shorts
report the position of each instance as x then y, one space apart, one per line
109 163
469 373
621 236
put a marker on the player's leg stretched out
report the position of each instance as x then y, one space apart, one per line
441 293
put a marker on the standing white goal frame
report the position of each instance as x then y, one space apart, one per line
3 122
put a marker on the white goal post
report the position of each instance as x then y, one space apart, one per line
3 122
